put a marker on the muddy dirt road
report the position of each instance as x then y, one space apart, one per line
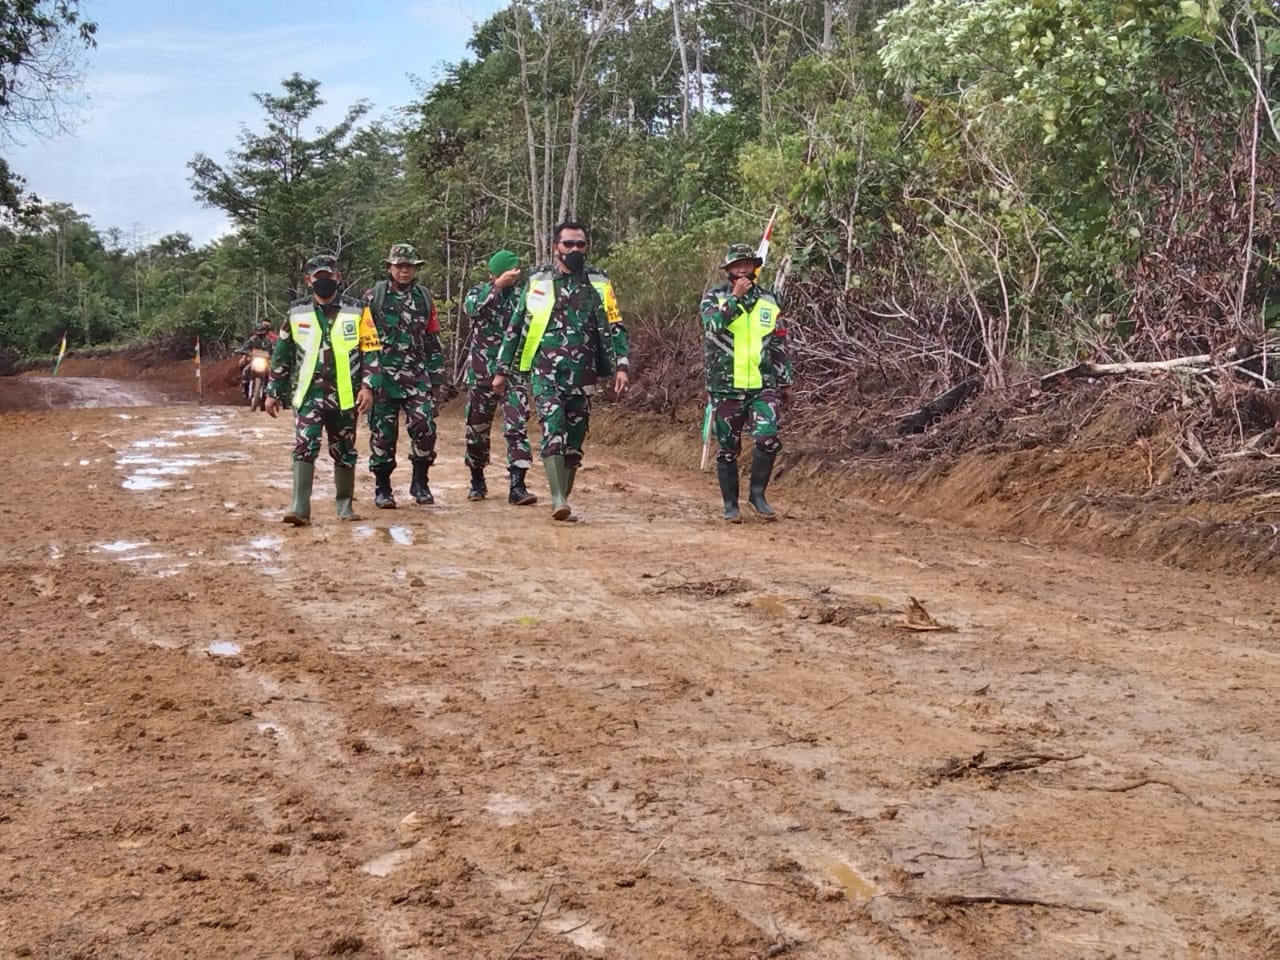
465 731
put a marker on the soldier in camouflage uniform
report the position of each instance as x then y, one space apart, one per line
747 369
489 306
331 350
412 375
560 335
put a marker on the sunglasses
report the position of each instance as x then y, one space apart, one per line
574 244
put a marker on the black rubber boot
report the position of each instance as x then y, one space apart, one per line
761 471
479 489
304 474
383 498
727 472
519 495
419 489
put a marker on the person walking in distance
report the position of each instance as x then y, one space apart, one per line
331 349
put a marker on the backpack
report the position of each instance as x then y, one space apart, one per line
379 302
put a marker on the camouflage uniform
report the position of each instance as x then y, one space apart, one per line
412 364
489 308
618 334
746 361
331 351
320 409
573 351
257 342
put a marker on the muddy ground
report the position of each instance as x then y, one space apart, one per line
466 731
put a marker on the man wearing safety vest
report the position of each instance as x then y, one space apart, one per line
559 334
329 345
747 368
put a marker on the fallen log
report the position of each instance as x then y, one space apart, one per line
936 409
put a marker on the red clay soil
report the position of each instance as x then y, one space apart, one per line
469 731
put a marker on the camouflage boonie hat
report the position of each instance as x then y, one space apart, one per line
740 251
403 253
322 262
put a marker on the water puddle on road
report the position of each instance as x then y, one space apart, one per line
137 482
856 887
508 809
147 461
121 546
224 648
265 549
395 534
383 865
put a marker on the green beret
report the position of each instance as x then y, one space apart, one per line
502 261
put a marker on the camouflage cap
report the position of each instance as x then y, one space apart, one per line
403 253
740 251
322 262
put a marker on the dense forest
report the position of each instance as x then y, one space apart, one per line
966 188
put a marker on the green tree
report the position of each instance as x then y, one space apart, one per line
39 66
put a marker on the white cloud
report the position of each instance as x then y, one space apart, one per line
159 95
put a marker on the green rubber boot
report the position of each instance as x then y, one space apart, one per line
557 481
344 482
304 475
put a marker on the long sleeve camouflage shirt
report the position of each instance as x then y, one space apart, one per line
489 309
409 332
718 310
575 347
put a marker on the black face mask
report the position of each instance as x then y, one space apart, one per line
575 261
324 287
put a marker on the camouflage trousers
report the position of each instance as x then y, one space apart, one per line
482 404
757 410
314 417
564 416
384 429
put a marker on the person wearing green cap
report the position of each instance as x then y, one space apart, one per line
747 368
488 307
331 350
412 364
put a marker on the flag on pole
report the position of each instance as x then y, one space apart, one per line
763 250
199 378
62 352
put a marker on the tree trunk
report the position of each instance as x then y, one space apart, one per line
684 68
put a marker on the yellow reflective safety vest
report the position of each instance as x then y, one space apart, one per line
345 336
539 299
749 330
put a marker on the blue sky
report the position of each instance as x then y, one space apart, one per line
168 80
